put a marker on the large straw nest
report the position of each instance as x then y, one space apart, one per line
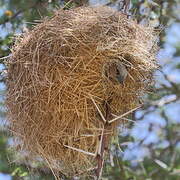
57 69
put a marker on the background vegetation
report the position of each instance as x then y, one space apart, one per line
147 148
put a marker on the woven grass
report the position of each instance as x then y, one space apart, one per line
56 71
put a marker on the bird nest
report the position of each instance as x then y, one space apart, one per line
70 76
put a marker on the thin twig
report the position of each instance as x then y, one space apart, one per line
126 119
125 114
80 150
100 113
103 144
100 144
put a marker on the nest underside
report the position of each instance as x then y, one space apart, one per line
55 73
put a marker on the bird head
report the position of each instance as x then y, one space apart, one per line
115 71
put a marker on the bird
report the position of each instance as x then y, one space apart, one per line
116 71
121 73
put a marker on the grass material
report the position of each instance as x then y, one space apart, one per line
58 67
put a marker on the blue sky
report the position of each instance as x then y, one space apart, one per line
5 177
